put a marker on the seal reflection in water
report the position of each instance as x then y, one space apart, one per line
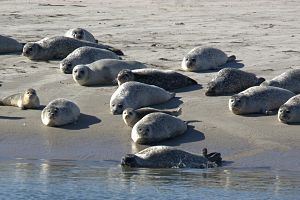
60 112
165 157
25 100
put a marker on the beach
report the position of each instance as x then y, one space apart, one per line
263 35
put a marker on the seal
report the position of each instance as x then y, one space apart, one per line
212 157
9 45
167 79
259 99
26 100
289 80
165 157
289 112
103 72
131 116
80 34
230 81
156 127
136 95
59 47
207 58
60 112
84 55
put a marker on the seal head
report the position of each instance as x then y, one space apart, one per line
31 50
125 76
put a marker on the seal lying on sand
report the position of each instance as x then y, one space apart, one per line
165 157
259 99
213 156
156 127
131 116
80 34
9 45
289 80
230 81
207 58
25 100
85 55
136 95
60 112
59 47
167 79
102 72
289 112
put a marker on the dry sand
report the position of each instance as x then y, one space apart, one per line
264 36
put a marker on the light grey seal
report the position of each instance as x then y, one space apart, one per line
60 112
85 55
207 58
9 45
167 79
289 80
156 127
102 72
59 47
136 95
165 157
259 99
289 112
26 100
230 81
131 116
80 34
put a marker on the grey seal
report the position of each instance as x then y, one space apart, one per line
230 81
259 99
80 34
59 47
60 112
289 80
289 112
26 100
136 95
156 127
85 55
206 58
167 79
103 72
131 116
9 45
165 157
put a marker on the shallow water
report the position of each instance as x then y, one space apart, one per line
56 179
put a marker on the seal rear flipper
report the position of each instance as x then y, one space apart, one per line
1 103
260 80
192 81
231 58
116 51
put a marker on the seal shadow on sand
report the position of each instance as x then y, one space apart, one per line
11 118
234 64
84 122
188 88
171 104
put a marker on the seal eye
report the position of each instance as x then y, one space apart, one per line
76 71
287 111
120 106
29 49
130 113
193 59
81 72
69 65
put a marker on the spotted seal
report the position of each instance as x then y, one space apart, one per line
60 112
26 100
80 34
289 112
156 127
167 79
165 157
207 58
230 81
9 45
136 95
259 99
102 72
84 55
131 116
289 80
59 47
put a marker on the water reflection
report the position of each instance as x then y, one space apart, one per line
109 180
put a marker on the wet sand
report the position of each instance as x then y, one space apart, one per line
264 36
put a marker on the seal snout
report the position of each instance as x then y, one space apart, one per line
128 160
210 93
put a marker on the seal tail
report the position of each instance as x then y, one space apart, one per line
1 103
116 51
231 58
176 112
172 94
260 80
192 81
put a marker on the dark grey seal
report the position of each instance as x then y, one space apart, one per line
9 45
